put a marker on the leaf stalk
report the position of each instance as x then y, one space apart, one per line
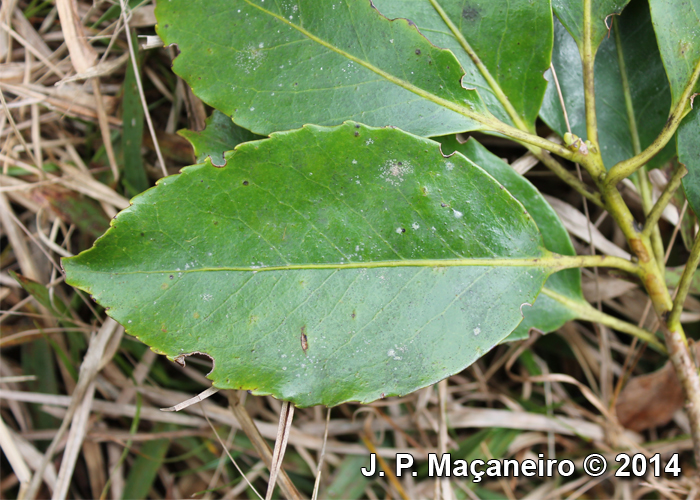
684 285
588 313
657 210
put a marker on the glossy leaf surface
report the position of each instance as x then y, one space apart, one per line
689 154
677 27
280 65
219 135
632 93
546 314
570 13
499 34
322 265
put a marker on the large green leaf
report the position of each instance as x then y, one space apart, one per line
546 314
677 27
570 13
278 65
689 154
219 135
322 265
630 112
500 35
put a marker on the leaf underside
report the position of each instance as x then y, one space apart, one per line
411 292
647 91
570 13
676 26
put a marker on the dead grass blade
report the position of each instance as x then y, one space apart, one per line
286 415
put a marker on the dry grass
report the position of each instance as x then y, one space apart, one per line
80 402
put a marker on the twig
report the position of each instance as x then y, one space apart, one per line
658 208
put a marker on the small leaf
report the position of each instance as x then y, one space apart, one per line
500 35
570 13
280 65
220 135
647 93
397 266
546 314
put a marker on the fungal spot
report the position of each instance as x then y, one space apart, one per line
164 286
171 276
250 58
417 52
195 315
357 125
400 230
357 134
477 331
353 315
443 205
470 14
393 171
245 183
143 234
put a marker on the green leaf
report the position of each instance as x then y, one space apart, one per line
322 265
570 13
632 98
219 135
676 26
280 65
500 35
546 314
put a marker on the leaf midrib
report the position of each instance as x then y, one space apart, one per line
483 119
548 261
